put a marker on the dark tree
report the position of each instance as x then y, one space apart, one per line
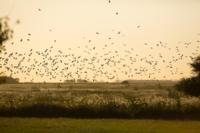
196 65
191 86
5 32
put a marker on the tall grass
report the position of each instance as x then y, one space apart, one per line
99 105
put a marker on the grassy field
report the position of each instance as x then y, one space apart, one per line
55 106
144 100
35 125
133 89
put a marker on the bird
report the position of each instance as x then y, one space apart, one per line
18 21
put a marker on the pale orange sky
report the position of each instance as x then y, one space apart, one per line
74 22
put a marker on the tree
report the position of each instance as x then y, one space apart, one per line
196 65
5 32
191 86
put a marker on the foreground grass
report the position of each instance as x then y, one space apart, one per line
35 125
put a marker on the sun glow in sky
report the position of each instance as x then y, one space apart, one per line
165 32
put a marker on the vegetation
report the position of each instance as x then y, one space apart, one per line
5 79
5 32
125 82
196 66
191 86
61 125
134 108
107 101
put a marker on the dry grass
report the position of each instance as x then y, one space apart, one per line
96 101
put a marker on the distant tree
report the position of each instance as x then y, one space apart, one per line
191 86
5 32
125 82
9 80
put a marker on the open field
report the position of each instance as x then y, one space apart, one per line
138 88
60 125
155 100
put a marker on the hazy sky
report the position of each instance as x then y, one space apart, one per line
73 23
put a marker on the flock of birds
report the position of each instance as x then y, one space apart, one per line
95 63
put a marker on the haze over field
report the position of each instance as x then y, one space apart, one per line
101 40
